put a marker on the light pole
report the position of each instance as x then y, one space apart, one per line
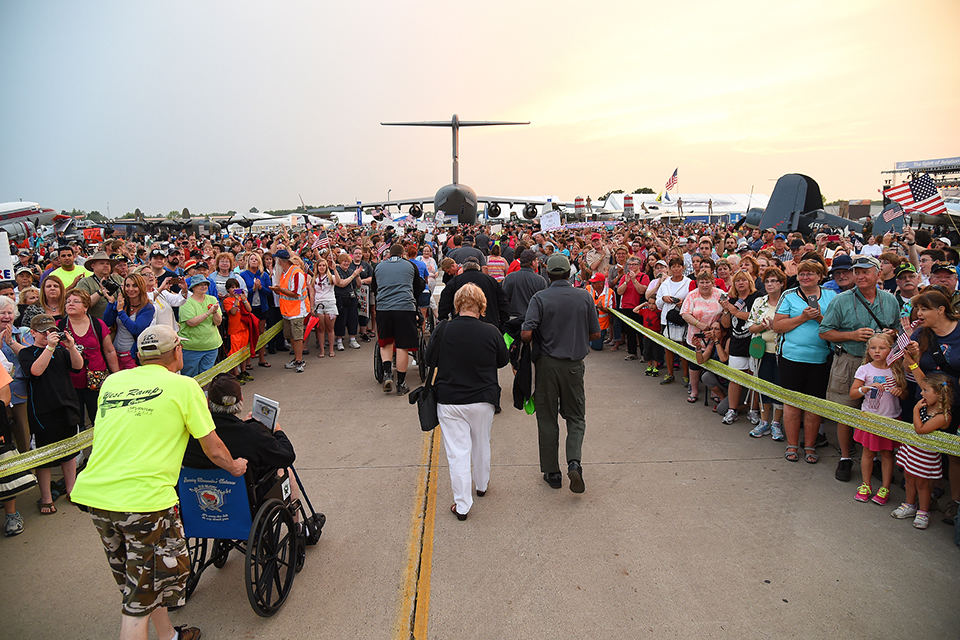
388 198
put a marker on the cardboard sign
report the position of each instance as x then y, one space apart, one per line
550 220
6 260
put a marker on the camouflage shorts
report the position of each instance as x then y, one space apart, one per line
148 556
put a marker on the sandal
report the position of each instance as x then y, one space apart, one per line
460 516
249 367
263 364
692 398
321 355
811 456
48 509
333 355
792 455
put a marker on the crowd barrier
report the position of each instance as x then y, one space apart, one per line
887 427
35 457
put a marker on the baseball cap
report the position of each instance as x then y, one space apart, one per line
595 236
282 254
223 393
943 266
945 241
528 256
558 264
42 323
779 236
119 257
905 267
663 262
24 270
842 262
23 252
866 262
598 277
157 340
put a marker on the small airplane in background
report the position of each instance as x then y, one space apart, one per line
173 226
796 205
455 199
21 220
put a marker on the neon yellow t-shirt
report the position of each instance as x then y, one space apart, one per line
69 277
144 418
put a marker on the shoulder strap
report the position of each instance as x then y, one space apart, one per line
859 297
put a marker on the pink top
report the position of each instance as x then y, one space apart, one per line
89 348
705 310
497 267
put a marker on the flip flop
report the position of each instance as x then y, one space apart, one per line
320 355
333 355
692 399
262 364
48 508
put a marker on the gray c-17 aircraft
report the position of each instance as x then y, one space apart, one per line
456 199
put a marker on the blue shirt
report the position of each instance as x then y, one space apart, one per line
804 344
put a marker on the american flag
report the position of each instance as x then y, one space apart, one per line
672 182
892 212
903 339
920 194
322 240
383 248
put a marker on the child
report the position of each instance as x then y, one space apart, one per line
920 466
881 386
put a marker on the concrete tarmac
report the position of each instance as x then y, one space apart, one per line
688 529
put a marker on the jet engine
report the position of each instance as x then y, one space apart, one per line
493 210
416 210
530 211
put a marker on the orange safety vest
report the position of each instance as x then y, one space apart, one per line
293 306
603 316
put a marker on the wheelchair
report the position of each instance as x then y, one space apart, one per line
424 330
254 516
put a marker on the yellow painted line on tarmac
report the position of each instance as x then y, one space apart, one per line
415 586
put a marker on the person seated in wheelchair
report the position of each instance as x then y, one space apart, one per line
264 451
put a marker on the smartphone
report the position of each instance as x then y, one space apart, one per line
813 302
833 238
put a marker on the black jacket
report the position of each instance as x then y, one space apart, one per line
264 451
498 311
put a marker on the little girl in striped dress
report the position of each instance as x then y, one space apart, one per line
921 466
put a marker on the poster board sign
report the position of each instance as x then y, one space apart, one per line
364 298
6 260
550 221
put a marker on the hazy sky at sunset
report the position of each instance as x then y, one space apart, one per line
230 105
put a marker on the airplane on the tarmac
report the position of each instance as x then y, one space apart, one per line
172 226
455 199
21 220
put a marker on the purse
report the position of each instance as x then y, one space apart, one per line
425 396
95 379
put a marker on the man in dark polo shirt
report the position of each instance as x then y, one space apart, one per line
496 313
521 285
564 321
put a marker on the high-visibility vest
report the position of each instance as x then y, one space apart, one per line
293 306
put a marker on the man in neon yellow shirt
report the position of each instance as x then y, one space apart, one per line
68 271
146 416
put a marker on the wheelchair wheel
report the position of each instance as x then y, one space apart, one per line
271 558
219 553
422 357
197 548
377 364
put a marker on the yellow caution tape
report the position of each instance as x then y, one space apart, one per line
64 448
896 430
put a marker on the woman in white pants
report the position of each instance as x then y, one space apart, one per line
468 393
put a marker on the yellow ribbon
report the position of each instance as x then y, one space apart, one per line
63 448
896 430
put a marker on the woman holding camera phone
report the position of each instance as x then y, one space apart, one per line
805 358
700 308
131 312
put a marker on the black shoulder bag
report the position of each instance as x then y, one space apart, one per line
425 396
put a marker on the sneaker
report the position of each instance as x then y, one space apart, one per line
339 345
291 365
821 441
631 357
365 337
863 493
655 373
14 525
753 416
950 512
844 468
776 432
922 521
388 384
402 388
730 417
686 382
354 344
413 362
301 365
667 380
904 511
762 429
881 497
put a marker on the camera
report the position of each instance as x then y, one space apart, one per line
111 286
61 335
700 335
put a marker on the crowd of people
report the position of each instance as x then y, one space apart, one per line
818 316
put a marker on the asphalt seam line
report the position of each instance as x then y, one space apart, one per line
412 614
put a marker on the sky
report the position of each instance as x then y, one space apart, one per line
219 106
